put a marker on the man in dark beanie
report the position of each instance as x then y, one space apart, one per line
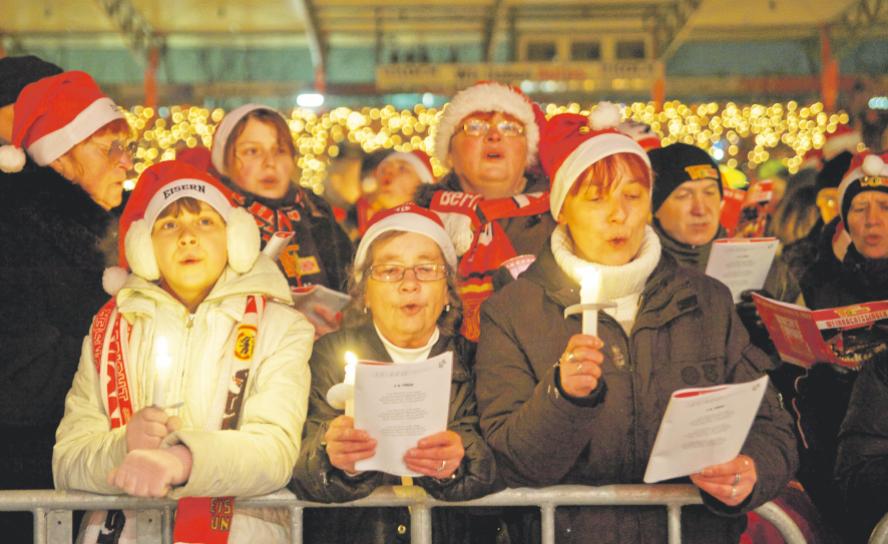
15 73
686 202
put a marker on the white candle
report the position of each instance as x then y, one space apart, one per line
590 286
162 365
351 363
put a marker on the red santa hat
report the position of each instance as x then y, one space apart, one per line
844 138
159 186
405 218
641 133
489 96
54 114
868 172
813 159
224 129
417 159
571 143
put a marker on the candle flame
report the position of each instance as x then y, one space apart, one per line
162 359
590 285
351 361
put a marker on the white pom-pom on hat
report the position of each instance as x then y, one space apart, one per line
243 240
12 159
605 115
113 279
140 251
872 165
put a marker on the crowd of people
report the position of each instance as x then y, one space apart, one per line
199 380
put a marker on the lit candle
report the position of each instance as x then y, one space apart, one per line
162 364
590 285
351 363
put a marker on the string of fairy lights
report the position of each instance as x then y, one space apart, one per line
745 135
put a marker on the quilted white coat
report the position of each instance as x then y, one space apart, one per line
255 459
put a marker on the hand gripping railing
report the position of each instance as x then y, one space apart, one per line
52 509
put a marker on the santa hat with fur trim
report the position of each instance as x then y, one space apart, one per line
571 143
869 172
417 159
844 138
407 218
489 96
54 114
159 186
224 129
641 133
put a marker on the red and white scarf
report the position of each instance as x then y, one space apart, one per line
490 245
204 520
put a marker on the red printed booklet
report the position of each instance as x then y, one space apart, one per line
843 336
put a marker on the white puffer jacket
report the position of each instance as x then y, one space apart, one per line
255 459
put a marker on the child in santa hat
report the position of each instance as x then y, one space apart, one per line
253 152
193 381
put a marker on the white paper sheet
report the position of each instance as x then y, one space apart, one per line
741 263
397 404
703 427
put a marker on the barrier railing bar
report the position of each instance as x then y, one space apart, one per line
547 515
296 524
673 520
59 526
671 496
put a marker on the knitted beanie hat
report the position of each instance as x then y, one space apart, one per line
678 163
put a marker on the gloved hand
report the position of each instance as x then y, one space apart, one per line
148 427
152 473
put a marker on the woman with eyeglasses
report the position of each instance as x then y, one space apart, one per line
493 198
559 406
405 309
63 173
253 152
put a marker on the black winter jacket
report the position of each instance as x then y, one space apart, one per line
52 236
314 478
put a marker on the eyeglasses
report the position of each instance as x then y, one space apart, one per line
479 127
117 148
396 272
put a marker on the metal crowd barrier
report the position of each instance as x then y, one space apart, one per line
52 509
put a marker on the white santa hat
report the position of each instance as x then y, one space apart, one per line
483 97
405 218
571 143
224 129
54 114
417 159
159 186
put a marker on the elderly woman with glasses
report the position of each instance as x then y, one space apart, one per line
493 199
62 174
406 309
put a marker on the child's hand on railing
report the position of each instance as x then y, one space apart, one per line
152 473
